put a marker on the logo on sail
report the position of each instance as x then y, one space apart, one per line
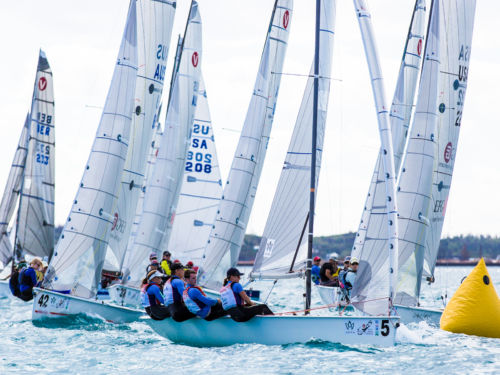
419 47
269 248
115 221
194 59
447 152
42 83
286 19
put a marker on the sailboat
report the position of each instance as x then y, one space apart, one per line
226 236
31 180
273 261
74 272
162 189
426 171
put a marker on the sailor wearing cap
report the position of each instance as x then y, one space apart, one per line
174 289
153 300
233 298
349 277
315 270
166 263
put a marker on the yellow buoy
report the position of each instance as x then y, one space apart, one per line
474 309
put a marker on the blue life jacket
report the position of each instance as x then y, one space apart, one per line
342 278
172 295
151 297
191 304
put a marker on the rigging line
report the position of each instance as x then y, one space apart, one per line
275 281
307 75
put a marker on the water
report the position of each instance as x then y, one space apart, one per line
90 346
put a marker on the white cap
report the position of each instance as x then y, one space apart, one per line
354 260
156 274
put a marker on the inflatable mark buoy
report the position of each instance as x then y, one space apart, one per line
474 309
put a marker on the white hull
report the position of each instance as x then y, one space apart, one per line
125 295
279 330
49 304
418 314
4 289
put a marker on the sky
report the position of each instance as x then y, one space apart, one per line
81 40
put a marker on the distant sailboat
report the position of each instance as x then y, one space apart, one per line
74 272
31 180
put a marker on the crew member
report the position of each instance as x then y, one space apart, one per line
166 263
153 266
233 298
157 308
28 279
190 265
315 270
197 301
349 277
174 289
329 274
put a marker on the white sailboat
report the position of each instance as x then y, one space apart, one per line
155 21
372 231
31 180
162 190
274 260
226 237
74 272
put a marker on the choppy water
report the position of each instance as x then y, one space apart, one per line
84 345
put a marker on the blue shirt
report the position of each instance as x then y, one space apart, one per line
202 301
155 291
315 274
31 273
237 289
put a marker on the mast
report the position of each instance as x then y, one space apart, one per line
313 159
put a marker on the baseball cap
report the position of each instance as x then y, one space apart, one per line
155 274
166 253
316 259
190 264
354 260
233 272
347 259
153 256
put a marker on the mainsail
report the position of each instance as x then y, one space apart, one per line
35 220
11 192
372 232
283 248
226 237
77 262
201 189
154 29
162 191
391 249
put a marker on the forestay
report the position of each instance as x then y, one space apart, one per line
387 156
35 220
372 232
162 191
226 237
77 262
201 189
283 248
11 192
154 29
457 23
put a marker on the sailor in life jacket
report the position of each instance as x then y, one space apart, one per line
349 278
315 270
153 297
29 278
197 301
233 298
174 290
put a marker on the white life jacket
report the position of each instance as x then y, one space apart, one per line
191 305
227 297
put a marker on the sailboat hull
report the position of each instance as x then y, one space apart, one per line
4 289
125 295
50 304
419 314
279 330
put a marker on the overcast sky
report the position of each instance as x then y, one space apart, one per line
81 39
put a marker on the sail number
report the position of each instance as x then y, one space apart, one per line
198 160
384 327
161 54
42 301
43 154
463 71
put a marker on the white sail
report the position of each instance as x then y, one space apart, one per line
387 156
155 20
226 237
162 191
372 232
11 192
283 248
457 23
78 259
201 189
35 221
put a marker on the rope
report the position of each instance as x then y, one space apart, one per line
324 307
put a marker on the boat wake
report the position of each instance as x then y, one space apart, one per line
79 322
